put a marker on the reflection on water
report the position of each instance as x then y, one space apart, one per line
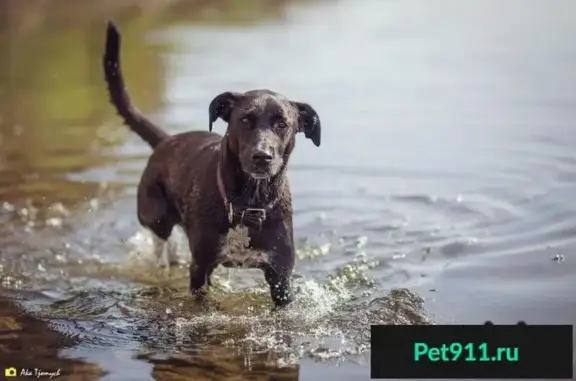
443 190
27 342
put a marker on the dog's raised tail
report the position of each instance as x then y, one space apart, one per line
119 97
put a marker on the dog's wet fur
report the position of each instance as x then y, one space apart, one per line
179 185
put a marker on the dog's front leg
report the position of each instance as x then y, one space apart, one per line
277 241
280 284
204 255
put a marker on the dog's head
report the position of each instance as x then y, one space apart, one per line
262 127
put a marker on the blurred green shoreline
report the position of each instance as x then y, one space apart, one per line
23 16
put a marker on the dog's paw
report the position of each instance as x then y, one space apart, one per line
282 301
199 294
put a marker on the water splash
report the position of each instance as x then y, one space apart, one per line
138 304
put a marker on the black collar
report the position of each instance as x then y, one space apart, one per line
239 214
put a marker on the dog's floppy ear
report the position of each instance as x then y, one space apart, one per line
221 106
308 122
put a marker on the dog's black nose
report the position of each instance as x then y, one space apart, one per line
262 157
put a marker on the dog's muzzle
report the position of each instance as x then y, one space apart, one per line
262 163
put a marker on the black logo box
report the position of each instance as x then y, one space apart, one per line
485 351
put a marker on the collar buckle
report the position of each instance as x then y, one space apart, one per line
251 217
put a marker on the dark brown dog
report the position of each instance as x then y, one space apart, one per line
221 189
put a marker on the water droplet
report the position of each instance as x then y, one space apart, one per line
54 222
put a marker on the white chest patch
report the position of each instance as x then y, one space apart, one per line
236 251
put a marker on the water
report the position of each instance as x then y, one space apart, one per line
443 190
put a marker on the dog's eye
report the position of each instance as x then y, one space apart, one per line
282 124
245 120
